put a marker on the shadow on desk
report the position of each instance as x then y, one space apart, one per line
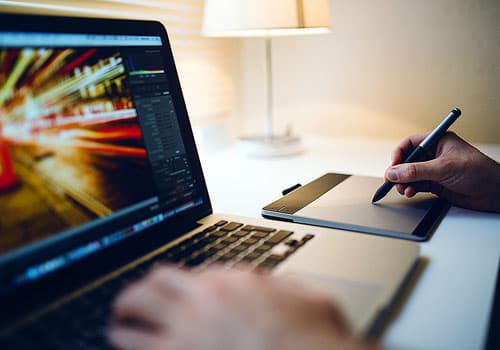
401 298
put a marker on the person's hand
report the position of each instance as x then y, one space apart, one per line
225 309
456 171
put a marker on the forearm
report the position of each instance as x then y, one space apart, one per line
488 182
495 187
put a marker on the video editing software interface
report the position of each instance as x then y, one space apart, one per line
88 132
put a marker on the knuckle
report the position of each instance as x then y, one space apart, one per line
156 272
125 296
412 172
394 153
215 282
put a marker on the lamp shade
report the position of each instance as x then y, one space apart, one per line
265 17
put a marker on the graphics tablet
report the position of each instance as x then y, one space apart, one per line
344 202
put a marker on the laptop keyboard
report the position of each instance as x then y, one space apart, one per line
235 244
81 323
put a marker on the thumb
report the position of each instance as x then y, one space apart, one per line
431 170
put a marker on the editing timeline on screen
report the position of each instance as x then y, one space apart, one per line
75 123
160 128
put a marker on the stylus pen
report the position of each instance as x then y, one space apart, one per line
423 148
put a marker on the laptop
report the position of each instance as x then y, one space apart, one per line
101 179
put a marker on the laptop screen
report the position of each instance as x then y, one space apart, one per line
89 135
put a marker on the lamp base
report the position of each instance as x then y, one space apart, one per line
270 146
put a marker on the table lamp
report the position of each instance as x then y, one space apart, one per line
267 18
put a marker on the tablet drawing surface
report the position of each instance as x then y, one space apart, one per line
347 205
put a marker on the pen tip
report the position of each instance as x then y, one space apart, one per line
378 195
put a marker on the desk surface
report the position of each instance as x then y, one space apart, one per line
447 303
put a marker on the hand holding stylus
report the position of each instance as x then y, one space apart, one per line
455 171
424 147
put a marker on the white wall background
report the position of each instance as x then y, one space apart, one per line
387 69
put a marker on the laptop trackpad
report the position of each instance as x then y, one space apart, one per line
357 300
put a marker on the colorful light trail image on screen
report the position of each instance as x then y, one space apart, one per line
71 149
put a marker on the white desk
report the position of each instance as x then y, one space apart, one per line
447 303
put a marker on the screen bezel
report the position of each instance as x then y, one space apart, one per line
150 238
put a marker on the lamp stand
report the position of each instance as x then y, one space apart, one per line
270 144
